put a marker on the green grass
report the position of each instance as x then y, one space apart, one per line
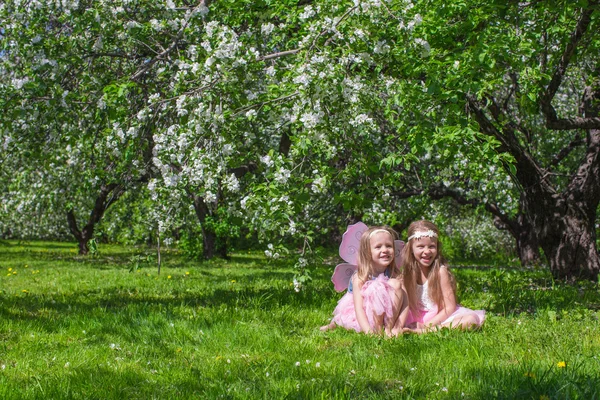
87 328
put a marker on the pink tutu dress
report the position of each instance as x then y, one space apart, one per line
430 310
377 300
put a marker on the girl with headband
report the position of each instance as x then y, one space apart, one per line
375 300
430 286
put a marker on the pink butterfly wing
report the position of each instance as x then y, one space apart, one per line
351 242
341 276
399 244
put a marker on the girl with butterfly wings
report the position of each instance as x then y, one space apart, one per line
375 299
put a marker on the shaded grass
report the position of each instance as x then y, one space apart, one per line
74 327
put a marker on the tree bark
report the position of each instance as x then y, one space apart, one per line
527 245
210 244
103 201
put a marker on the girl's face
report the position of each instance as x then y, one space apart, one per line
425 250
382 251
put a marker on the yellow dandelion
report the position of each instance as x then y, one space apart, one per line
561 364
25 291
10 269
14 272
233 281
26 266
187 272
169 277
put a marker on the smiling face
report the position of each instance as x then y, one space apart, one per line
425 251
382 251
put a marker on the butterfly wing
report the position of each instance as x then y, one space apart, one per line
399 245
351 242
341 276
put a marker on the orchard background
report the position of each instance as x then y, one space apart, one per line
217 125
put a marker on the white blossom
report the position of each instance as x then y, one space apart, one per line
426 48
361 119
267 161
381 47
307 13
310 119
318 185
282 175
266 29
210 197
232 183
170 5
297 287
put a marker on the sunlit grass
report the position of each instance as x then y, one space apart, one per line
86 327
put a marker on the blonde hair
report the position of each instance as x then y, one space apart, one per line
412 268
365 258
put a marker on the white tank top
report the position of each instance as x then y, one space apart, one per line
423 294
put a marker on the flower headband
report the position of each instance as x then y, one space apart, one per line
419 234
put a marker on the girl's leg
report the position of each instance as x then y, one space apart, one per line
402 313
400 308
464 322
378 323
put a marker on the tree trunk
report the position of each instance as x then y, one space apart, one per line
568 238
527 245
83 237
102 203
209 238
209 243
528 248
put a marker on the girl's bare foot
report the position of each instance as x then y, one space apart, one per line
327 327
397 331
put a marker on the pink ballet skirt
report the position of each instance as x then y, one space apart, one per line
377 300
430 310
424 316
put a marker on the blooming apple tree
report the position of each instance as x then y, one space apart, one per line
293 117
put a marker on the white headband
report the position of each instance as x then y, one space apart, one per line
379 231
420 234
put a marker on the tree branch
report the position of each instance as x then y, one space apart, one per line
439 192
565 151
552 120
168 50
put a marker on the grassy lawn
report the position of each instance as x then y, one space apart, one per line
88 328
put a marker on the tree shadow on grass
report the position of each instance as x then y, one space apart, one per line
514 291
50 312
